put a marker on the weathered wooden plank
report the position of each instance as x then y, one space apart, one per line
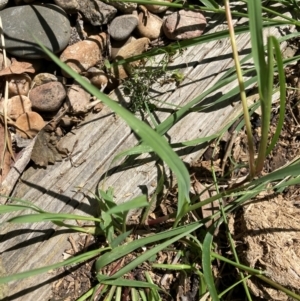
100 138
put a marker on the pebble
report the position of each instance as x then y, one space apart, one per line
121 27
184 24
70 6
47 97
43 78
53 31
124 7
97 12
84 54
117 45
78 100
149 25
3 3
101 80
157 9
135 47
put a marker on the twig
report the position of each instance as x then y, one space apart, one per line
7 145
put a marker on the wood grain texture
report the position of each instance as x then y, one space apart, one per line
102 136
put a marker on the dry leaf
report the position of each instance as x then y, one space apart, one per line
5 164
43 152
17 68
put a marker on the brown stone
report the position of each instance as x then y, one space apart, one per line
149 25
84 54
184 24
78 99
47 97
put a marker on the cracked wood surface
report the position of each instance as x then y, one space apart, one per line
100 138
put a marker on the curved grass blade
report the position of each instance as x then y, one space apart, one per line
206 263
138 202
74 260
130 283
282 89
41 217
12 208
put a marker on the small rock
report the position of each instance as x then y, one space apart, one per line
43 78
149 25
78 100
18 105
30 123
184 24
101 80
124 7
133 48
121 27
117 45
85 54
47 97
18 84
70 6
49 24
157 9
3 3
97 12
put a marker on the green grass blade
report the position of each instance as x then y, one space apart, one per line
138 202
74 260
12 208
266 91
130 283
282 88
257 44
42 217
206 264
210 3
137 150
119 239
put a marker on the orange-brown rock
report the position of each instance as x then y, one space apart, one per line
84 54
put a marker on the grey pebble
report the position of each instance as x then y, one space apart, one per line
70 6
121 27
97 12
3 3
124 7
49 24
47 97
